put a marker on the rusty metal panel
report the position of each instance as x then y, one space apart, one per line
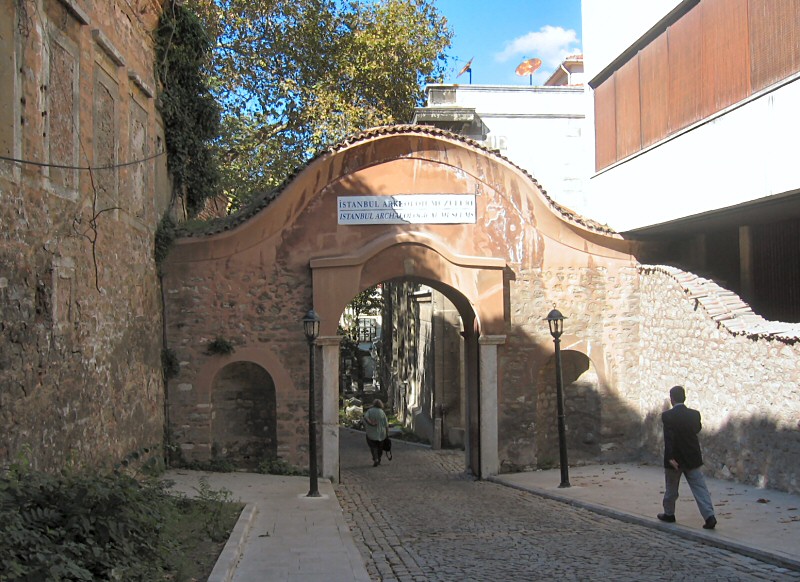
605 123
654 88
685 79
629 127
725 74
774 40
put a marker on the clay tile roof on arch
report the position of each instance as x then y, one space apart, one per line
263 200
726 308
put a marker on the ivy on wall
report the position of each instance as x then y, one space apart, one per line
165 236
190 113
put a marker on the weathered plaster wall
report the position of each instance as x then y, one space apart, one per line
251 284
746 385
630 332
80 306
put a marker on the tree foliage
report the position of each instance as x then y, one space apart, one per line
295 76
368 302
190 113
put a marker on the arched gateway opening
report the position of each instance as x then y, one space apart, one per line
396 203
473 284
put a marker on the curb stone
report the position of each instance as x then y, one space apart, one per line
231 553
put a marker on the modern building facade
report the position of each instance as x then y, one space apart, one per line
694 125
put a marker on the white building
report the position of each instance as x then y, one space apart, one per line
539 128
711 104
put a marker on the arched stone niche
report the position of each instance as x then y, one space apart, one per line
244 415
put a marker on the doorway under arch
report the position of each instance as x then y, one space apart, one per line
475 287
427 364
250 278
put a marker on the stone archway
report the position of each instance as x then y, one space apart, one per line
251 277
476 285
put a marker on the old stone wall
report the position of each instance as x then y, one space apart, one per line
247 281
740 371
259 313
599 353
80 331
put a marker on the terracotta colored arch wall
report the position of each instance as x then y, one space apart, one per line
413 255
252 285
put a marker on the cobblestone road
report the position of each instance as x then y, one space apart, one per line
420 518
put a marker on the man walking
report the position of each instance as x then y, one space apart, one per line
682 456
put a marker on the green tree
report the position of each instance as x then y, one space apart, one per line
190 113
368 302
296 76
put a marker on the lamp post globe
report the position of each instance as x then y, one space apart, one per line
556 322
311 325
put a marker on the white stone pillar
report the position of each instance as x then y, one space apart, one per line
490 458
330 406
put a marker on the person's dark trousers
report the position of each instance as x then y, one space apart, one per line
376 448
697 484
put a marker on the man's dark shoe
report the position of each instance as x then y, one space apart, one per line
710 523
666 517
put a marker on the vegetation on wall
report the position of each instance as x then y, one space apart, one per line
170 363
220 346
165 235
187 106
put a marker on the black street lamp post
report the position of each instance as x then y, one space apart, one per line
311 329
556 322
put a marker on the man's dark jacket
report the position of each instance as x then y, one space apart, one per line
681 425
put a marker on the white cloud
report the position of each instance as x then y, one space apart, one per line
551 44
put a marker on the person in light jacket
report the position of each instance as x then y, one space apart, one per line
377 428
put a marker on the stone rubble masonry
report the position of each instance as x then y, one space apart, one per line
266 312
744 379
80 325
599 345
631 332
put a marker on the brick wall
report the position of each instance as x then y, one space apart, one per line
80 336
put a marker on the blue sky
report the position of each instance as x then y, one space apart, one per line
500 34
